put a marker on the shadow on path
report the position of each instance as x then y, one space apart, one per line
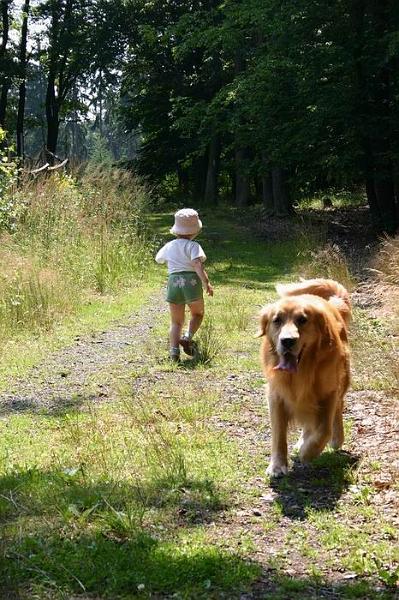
316 486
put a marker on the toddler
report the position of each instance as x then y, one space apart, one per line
186 276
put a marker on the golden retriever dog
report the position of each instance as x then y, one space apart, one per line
305 357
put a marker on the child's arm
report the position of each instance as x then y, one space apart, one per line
160 258
202 274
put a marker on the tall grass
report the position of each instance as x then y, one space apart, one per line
387 261
327 261
236 314
386 266
210 342
66 238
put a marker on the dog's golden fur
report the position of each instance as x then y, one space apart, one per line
305 357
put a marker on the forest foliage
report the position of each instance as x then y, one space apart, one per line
215 100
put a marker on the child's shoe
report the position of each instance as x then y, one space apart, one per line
174 354
188 345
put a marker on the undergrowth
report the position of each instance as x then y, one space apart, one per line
327 261
64 239
387 261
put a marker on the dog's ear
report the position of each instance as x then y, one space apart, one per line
264 317
326 327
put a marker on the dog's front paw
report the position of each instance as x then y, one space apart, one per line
309 451
337 440
276 469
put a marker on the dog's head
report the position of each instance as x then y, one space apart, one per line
294 325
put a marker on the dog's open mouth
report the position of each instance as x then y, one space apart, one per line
288 362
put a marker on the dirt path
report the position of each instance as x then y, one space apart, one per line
65 380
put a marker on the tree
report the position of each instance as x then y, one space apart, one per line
5 60
152 87
300 96
83 36
22 76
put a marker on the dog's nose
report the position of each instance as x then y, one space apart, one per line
288 342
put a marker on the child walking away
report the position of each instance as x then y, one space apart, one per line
186 278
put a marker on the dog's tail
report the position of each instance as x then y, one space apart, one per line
330 290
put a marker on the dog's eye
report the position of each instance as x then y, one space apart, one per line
277 320
301 320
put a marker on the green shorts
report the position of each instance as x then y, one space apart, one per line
184 288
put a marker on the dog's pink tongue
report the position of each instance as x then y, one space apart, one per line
288 362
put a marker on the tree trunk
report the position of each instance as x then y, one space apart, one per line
100 103
52 115
52 136
384 191
267 194
258 187
5 27
242 183
282 202
372 201
182 177
22 86
396 185
3 103
241 180
383 203
198 177
232 179
211 184
5 83
375 108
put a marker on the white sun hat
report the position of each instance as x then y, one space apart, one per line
187 222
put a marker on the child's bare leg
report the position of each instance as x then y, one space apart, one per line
197 314
177 322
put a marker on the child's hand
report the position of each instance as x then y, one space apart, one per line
209 289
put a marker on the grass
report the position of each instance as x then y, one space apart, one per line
120 501
338 199
21 352
161 492
327 261
374 353
74 254
387 261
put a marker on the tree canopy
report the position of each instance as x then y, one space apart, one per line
243 99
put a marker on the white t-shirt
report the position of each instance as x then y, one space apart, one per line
179 254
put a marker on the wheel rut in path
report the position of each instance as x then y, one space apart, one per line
63 380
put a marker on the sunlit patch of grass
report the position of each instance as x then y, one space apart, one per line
352 546
181 401
237 314
75 245
32 296
273 517
334 199
373 353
